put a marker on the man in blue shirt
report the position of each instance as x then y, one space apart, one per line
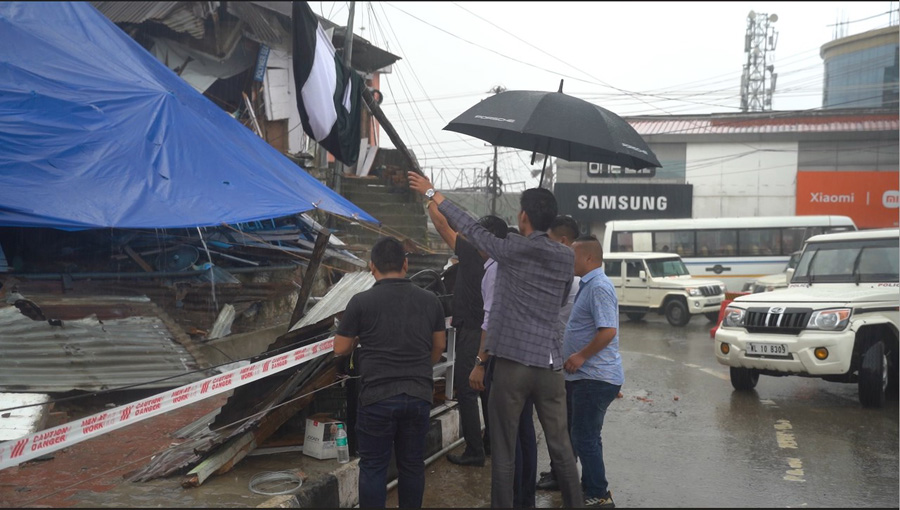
593 367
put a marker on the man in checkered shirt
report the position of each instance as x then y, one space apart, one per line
534 277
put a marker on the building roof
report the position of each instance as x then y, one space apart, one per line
768 123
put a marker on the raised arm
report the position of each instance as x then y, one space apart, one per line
498 249
441 225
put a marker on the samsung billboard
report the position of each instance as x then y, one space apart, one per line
599 203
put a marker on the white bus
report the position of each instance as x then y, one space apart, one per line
733 250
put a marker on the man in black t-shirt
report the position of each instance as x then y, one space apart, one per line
400 329
468 314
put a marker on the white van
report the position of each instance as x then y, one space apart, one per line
660 283
837 320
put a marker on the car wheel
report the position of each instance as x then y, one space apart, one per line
677 313
635 316
893 388
873 376
712 316
744 379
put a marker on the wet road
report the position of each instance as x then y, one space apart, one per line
681 437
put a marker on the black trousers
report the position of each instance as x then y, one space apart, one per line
467 343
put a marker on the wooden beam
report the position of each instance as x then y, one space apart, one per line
306 288
378 113
224 459
137 258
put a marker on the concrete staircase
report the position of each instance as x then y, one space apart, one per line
401 213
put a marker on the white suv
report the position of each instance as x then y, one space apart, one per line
775 281
660 283
837 320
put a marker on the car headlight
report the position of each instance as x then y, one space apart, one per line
693 291
733 317
829 320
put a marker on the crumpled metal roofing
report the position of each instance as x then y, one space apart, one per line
179 16
92 354
336 299
261 24
774 123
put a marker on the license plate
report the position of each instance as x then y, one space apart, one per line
767 349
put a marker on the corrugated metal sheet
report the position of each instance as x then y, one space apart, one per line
336 299
179 16
91 354
772 124
261 25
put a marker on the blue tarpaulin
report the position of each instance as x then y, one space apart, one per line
95 132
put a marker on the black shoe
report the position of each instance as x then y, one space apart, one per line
604 502
547 482
466 460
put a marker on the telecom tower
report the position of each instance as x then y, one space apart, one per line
760 39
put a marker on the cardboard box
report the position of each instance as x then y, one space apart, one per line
321 430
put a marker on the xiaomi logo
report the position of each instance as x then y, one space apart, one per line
891 199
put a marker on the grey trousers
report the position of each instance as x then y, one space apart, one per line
512 383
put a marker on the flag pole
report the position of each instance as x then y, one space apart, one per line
378 113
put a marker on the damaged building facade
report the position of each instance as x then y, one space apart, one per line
96 298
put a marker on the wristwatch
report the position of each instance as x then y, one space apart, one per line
480 362
429 193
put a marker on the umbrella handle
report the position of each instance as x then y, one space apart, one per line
543 168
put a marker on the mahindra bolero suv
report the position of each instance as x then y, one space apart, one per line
660 283
837 320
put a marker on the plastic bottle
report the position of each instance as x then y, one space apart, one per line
340 440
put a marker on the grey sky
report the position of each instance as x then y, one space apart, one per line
652 58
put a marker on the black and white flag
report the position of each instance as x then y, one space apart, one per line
329 96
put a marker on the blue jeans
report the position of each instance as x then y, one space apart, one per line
587 401
397 424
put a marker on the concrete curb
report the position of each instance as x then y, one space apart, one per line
340 488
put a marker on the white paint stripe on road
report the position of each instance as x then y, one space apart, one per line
710 371
786 440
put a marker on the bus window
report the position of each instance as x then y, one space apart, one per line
677 241
711 243
621 241
759 242
792 239
643 241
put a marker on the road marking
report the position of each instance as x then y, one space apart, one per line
787 440
710 371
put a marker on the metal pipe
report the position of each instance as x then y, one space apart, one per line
155 274
429 460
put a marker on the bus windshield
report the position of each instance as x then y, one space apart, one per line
846 262
667 267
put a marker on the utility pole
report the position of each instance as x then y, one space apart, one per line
348 51
494 187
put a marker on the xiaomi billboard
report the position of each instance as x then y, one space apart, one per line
871 199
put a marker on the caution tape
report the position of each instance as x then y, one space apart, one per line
13 453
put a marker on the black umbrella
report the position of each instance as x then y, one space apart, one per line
555 124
